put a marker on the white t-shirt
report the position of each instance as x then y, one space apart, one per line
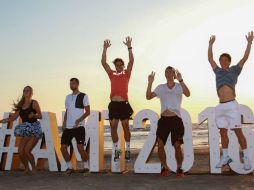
170 99
74 113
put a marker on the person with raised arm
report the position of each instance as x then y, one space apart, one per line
119 106
170 122
30 128
77 110
227 113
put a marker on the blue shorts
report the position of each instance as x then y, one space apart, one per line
29 129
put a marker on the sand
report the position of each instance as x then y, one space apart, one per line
197 178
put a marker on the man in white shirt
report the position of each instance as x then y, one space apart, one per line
170 95
77 109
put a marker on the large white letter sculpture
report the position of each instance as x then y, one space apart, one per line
50 130
48 124
248 118
95 139
120 166
9 148
141 165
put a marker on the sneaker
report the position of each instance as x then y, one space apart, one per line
117 155
165 172
86 166
68 171
127 155
246 164
179 172
224 161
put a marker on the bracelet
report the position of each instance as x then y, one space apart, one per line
181 81
129 48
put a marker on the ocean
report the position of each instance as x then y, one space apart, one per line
139 136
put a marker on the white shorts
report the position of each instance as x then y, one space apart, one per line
227 115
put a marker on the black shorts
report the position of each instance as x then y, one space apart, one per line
119 110
173 125
77 133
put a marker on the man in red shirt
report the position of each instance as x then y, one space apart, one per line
119 107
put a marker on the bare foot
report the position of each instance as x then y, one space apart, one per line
34 170
27 171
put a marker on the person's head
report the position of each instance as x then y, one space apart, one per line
170 73
74 84
119 64
27 94
225 60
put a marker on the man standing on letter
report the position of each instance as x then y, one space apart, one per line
77 109
170 95
227 113
119 107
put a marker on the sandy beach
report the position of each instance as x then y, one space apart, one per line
197 178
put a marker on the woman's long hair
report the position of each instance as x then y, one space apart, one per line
20 102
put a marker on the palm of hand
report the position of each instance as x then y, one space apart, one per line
128 41
250 37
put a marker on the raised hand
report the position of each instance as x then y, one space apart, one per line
249 37
151 77
107 44
212 40
178 76
128 42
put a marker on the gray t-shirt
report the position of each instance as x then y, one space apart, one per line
227 77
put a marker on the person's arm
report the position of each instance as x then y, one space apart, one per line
87 111
149 94
85 115
64 120
11 118
65 114
104 63
186 90
249 39
37 108
210 52
131 57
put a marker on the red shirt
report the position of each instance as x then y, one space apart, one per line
119 83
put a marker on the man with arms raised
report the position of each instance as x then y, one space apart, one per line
227 113
170 95
119 107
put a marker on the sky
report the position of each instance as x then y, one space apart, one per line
44 43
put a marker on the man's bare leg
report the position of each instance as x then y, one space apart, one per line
243 143
178 154
66 155
127 137
114 136
225 159
162 154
